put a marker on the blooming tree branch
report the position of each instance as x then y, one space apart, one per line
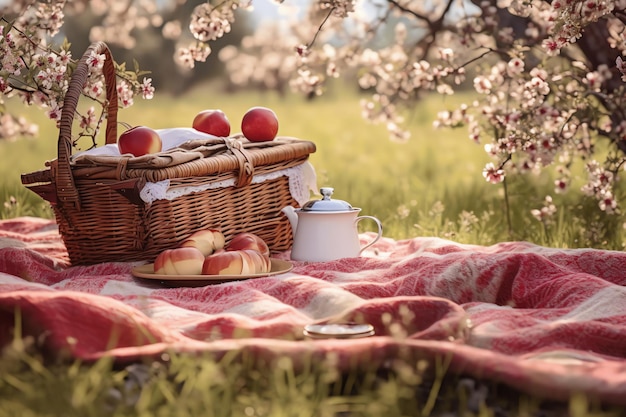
548 76
39 73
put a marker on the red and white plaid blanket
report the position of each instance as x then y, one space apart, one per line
542 320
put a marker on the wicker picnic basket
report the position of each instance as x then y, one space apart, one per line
97 203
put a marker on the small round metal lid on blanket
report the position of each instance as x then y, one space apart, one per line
338 330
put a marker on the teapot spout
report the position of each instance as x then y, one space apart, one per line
291 214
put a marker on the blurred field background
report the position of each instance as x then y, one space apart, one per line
430 186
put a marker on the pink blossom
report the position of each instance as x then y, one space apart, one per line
94 88
95 61
545 213
302 50
124 94
593 80
492 174
184 58
551 46
64 57
607 203
55 111
87 120
4 86
560 186
515 66
209 23
482 85
147 90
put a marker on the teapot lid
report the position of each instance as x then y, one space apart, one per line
326 203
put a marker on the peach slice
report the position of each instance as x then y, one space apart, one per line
254 262
207 241
179 261
247 240
223 263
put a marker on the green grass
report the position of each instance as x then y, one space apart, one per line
430 186
240 385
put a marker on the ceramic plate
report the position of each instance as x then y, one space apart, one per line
278 266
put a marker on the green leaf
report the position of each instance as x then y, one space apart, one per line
65 46
120 67
9 25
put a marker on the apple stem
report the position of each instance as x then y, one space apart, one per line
126 125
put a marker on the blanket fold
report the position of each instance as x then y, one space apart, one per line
543 320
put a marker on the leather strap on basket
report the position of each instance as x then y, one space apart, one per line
246 167
65 186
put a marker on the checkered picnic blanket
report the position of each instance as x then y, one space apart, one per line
543 320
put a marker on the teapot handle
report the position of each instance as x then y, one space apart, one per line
380 230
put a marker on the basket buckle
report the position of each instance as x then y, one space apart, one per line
246 167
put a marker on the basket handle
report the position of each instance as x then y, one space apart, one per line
66 189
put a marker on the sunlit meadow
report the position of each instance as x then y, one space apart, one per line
430 186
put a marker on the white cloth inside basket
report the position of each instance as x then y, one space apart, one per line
170 138
302 181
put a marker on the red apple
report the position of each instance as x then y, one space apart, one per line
213 122
247 240
207 241
179 261
139 140
259 124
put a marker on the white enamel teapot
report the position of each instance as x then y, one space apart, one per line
326 229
